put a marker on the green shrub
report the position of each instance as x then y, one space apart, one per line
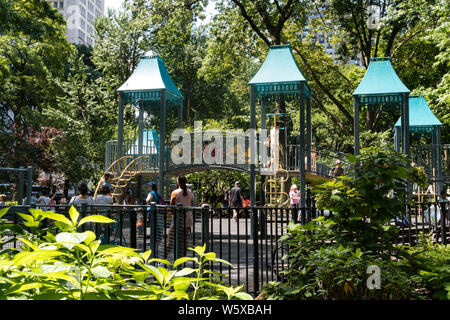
324 269
68 265
433 266
329 258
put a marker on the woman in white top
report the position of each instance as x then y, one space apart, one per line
82 197
104 198
184 196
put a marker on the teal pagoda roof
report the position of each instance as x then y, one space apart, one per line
147 81
380 84
421 118
279 74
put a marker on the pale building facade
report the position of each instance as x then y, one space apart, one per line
80 15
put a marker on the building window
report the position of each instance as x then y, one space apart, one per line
82 24
90 18
61 4
81 35
83 2
90 6
83 11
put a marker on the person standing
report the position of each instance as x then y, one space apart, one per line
226 198
82 198
107 182
43 200
104 199
182 195
155 196
294 196
337 170
236 199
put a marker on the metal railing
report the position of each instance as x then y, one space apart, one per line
250 243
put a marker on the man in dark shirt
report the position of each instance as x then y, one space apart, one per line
236 199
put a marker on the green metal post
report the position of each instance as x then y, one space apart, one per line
308 131
301 156
263 127
252 146
120 128
29 184
20 187
356 123
162 142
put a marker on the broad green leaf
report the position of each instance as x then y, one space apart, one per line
185 272
243 296
101 272
90 237
68 239
183 260
181 284
199 250
3 211
74 214
96 219
26 287
210 256
57 217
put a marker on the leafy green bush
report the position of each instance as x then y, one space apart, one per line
329 258
373 194
68 265
434 266
323 269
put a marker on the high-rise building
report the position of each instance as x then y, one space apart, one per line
80 15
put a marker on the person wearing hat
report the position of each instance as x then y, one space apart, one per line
236 199
337 170
294 196
155 196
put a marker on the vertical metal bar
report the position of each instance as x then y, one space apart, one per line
308 131
205 227
252 146
406 147
438 160
20 187
140 132
153 229
301 160
120 128
255 251
356 123
29 184
162 141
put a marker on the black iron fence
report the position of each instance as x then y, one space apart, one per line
249 242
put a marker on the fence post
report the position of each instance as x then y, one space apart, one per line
133 240
20 193
179 232
205 226
254 215
29 183
443 223
153 229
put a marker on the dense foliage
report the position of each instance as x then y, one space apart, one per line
65 96
329 258
60 263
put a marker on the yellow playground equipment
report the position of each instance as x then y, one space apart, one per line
122 171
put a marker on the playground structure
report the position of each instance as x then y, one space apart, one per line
151 90
24 180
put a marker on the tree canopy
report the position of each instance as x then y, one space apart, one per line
67 95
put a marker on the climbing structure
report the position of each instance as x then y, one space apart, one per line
278 81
